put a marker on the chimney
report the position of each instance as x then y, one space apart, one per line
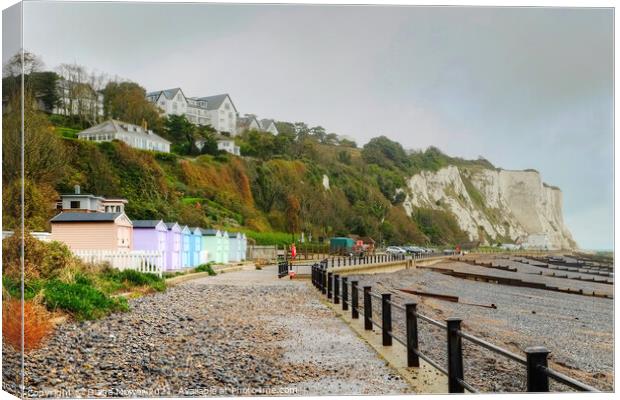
77 189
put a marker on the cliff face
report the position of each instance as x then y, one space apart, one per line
493 205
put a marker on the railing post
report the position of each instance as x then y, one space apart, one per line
537 379
367 309
312 276
386 319
317 276
411 320
323 279
336 289
345 294
354 301
329 285
455 356
314 280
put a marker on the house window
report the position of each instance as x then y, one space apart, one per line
75 204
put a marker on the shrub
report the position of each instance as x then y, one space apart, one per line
81 300
130 278
37 324
13 287
269 238
206 268
42 260
440 226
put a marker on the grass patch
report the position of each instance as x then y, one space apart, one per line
168 275
192 200
81 300
205 268
13 287
68 133
130 278
269 238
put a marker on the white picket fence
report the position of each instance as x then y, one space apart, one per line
149 261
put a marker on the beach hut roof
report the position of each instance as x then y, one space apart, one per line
86 217
147 223
172 225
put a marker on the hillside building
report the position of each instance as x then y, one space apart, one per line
248 123
133 135
86 202
269 125
219 111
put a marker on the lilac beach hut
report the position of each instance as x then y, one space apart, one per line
173 246
151 235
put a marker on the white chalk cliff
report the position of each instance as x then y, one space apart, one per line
493 205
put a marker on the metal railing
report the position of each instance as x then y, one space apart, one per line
343 261
284 266
340 290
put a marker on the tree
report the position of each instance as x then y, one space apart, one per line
80 93
127 102
44 159
180 131
16 68
45 86
319 133
207 134
301 130
344 157
260 144
385 153
26 64
331 138
347 143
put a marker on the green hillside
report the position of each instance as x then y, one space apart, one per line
276 189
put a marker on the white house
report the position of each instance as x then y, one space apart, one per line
86 202
134 135
248 122
228 144
78 99
222 112
174 102
268 125
218 111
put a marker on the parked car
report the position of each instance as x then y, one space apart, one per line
414 250
395 250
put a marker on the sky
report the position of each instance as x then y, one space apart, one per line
522 87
